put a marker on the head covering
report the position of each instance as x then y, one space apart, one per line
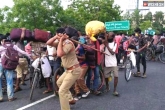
93 28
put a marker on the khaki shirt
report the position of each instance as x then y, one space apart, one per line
70 58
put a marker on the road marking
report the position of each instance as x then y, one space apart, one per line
36 102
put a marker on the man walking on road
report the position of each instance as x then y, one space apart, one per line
141 46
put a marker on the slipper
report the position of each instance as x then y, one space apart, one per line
106 90
47 91
23 83
17 90
137 75
116 94
12 99
1 100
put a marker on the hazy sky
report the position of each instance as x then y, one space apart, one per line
124 4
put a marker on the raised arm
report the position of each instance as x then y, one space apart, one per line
52 41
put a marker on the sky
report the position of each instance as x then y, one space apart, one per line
124 5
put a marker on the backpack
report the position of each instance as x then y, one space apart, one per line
10 58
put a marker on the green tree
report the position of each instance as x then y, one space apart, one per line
158 21
148 16
41 14
136 18
82 11
128 16
145 25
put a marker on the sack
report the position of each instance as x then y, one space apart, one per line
10 58
46 67
93 28
15 34
28 35
41 35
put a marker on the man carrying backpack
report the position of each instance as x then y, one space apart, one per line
9 61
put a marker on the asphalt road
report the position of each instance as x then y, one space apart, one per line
138 94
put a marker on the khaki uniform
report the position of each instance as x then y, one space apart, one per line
22 67
69 77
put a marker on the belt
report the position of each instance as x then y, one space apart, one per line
73 67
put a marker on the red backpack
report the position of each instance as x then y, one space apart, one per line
10 58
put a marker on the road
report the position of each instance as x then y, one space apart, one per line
138 94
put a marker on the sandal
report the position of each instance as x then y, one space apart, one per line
17 90
106 90
138 74
12 99
24 84
1 100
116 94
47 91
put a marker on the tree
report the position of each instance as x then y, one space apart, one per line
82 11
145 25
41 14
148 16
128 16
136 18
158 21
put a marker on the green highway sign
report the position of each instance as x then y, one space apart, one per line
150 32
117 25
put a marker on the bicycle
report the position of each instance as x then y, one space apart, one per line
57 74
155 51
162 55
37 72
130 64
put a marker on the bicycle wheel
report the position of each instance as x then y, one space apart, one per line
148 54
102 80
57 74
162 57
128 71
33 85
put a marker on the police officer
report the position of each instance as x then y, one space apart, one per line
66 50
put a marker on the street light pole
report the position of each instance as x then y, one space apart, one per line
137 4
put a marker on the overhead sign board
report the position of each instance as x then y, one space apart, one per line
153 3
117 25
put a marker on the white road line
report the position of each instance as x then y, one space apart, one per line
36 102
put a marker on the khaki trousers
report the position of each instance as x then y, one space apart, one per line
64 83
80 83
22 67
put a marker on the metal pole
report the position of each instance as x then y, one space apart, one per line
137 4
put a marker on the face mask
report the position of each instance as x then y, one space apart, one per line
100 41
110 40
136 34
82 40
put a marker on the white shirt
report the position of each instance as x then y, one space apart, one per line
51 50
3 50
111 61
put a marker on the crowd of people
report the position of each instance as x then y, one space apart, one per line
78 61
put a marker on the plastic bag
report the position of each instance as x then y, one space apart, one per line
133 59
35 64
46 67
93 28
